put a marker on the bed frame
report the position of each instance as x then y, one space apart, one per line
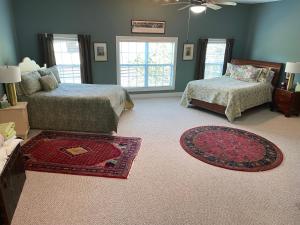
28 65
276 67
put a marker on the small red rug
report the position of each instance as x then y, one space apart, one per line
81 154
231 148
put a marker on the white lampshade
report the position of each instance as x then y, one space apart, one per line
292 67
10 74
198 9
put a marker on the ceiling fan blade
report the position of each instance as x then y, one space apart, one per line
227 3
185 7
212 6
222 2
176 3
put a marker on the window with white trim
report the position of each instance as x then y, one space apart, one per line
214 58
66 50
146 63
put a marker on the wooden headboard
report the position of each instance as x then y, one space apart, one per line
276 67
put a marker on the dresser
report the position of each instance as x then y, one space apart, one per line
12 179
287 102
19 115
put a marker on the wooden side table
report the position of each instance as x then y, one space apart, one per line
287 102
19 115
12 179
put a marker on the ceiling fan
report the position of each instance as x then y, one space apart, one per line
198 6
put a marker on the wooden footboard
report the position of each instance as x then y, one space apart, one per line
209 106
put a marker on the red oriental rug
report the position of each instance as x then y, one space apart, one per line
231 148
81 154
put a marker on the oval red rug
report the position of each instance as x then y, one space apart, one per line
231 148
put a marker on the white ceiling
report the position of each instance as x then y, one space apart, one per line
254 1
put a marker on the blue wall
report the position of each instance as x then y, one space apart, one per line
105 20
264 31
8 53
275 32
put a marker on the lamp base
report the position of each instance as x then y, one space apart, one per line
291 82
11 94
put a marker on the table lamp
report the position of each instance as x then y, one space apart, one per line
292 68
9 75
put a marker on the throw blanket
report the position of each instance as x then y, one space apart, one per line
7 130
235 95
78 107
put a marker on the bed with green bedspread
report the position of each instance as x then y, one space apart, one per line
78 107
237 96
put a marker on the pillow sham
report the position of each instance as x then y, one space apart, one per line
49 70
49 82
264 75
30 83
270 77
231 68
246 73
19 89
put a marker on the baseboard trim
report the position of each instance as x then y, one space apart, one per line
156 95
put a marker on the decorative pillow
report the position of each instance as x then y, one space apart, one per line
30 83
49 82
264 75
270 77
53 70
231 68
246 73
19 89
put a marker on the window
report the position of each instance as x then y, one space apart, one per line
214 58
146 63
66 50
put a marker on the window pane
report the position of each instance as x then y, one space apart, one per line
132 76
161 53
214 59
146 64
67 60
160 76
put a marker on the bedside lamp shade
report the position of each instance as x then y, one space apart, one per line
292 67
9 75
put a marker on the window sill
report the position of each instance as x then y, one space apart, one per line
152 89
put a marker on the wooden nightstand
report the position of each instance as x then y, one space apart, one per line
287 102
19 115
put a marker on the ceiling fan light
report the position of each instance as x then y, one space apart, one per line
198 9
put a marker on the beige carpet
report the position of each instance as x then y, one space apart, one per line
168 186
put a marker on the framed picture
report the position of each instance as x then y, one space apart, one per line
188 51
100 50
148 27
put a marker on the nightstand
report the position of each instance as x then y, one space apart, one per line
19 115
287 102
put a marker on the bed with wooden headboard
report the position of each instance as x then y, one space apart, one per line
239 92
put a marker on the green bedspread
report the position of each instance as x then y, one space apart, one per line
78 107
237 96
